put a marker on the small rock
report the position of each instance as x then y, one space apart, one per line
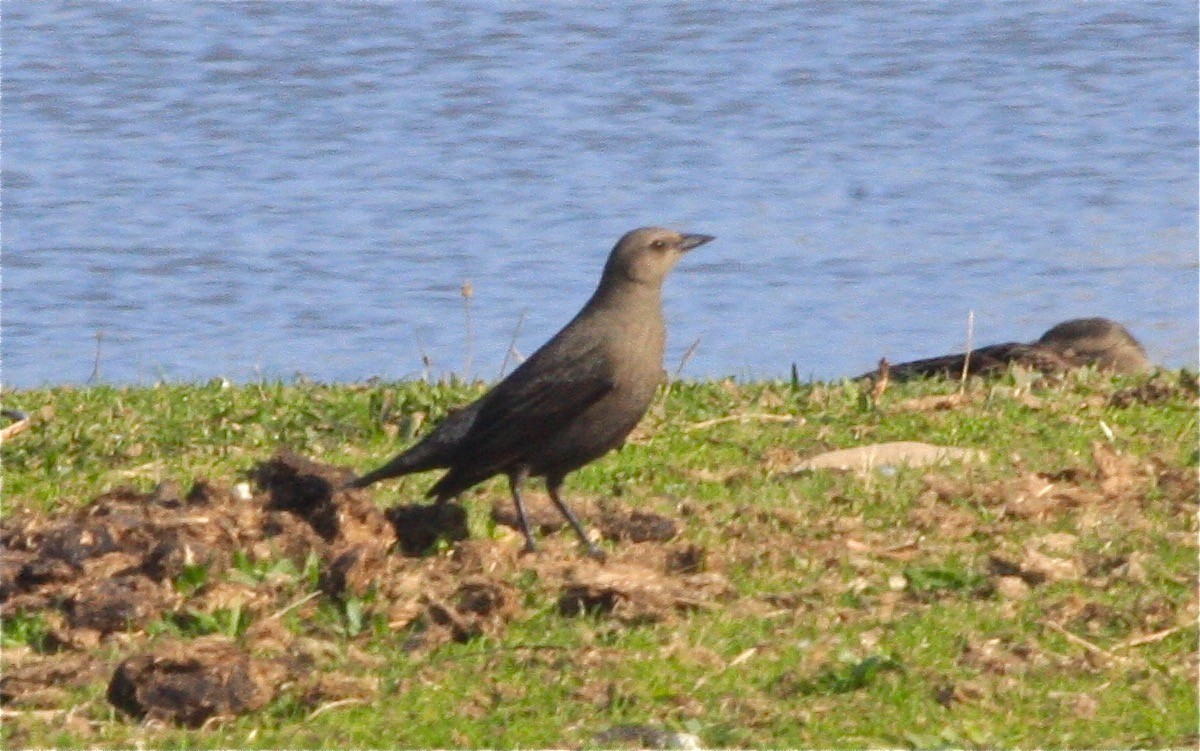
686 741
1050 568
894 454
1012 588
1085 706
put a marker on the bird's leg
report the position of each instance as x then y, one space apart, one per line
515 479
552 485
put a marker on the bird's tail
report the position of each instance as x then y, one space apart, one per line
401 465
424 456
435 451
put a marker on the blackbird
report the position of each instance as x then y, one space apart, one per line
573 400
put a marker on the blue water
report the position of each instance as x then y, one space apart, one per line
255 189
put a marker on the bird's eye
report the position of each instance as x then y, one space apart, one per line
658 244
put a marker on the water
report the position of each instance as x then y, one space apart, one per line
255 189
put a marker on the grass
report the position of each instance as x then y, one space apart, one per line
869 611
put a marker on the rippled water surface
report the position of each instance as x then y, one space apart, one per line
256 189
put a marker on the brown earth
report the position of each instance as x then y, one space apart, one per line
102 574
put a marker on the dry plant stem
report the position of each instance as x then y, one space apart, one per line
512 344
1151 638
96 360
426 363
45 714
1080 641
17 427
468 292
293 605
885 374
766 416
962 382
334 705
687 355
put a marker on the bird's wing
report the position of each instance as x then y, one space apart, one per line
533 404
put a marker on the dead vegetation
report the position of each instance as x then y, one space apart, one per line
102 575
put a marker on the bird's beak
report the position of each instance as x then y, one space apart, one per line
688 242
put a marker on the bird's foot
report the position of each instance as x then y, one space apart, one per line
530 548
595 553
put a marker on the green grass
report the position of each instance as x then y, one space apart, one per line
865 605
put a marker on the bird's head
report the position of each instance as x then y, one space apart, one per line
645 255
1098 340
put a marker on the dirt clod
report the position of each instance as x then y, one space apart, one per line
213 561
187 683
116 604
308 489
476 607
637 526
690 559
353 570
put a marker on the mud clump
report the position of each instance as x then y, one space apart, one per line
476 607
690 559
117 604
188 683
102 564
353 571
637 526
208 593
1115 482
336 687
356 533
311 491
127 559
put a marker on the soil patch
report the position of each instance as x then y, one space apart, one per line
190 682
189 591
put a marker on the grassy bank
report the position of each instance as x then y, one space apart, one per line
1045 596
